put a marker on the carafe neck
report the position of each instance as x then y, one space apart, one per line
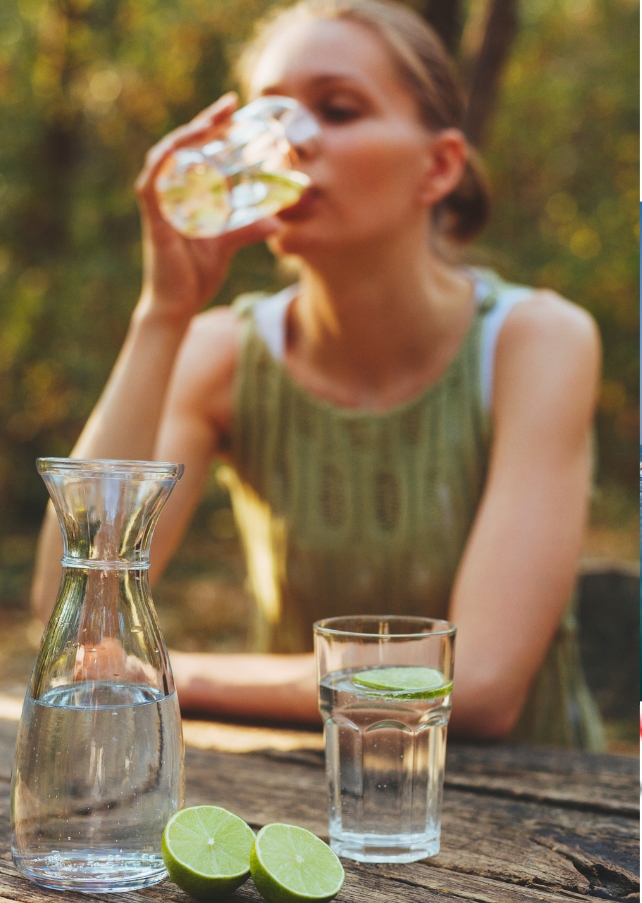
107 509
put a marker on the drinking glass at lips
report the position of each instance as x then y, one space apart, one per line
244 175
385 687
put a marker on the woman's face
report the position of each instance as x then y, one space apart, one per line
370 168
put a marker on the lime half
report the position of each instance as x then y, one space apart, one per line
291 864
404 682
206 850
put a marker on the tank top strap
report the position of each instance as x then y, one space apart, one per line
264 316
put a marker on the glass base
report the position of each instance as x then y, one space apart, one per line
384 847
89 872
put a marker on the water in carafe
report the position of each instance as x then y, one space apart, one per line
98 769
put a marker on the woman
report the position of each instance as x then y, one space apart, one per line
402 433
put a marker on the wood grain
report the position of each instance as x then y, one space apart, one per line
519 824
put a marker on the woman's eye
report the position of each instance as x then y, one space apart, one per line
338 113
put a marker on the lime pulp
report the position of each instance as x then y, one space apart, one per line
290 865
404 682
206 851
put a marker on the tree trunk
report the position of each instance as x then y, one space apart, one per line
501 29
445 16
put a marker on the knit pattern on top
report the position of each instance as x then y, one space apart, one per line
343 511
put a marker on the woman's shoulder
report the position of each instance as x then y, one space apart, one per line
548 356
213 336
545 317
204 373
541 307
518 317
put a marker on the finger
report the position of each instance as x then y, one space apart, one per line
219 110
211 117
206 122
230 242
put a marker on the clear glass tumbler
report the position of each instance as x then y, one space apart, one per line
98 769
243 176
385 685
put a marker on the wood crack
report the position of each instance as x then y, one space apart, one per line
608 880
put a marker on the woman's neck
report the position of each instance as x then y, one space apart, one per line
373 330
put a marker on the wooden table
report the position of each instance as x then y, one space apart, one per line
519 824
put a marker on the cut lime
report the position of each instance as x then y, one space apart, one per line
206 850
281 190
404 682
291 864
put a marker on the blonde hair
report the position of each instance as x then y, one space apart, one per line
425 69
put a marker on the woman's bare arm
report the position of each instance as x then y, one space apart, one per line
168 398
123 425
263 687
272 687
521 560
520 563
179 277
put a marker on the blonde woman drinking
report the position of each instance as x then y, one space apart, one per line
402 434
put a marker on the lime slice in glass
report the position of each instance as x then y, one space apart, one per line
404 682
206 850
281 190
291 864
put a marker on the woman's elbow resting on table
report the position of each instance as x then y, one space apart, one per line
482 709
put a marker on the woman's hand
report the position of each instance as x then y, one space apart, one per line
180 275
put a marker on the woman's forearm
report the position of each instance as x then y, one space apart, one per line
124 424
47 571
274 688
264 687
125 421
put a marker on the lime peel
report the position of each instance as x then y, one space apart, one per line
291 865
206 851
404 682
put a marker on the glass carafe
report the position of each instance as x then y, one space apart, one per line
98 769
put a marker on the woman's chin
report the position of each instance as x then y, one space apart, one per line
291 242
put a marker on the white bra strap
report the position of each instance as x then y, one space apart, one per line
269 316
491 327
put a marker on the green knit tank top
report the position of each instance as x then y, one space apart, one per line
343 511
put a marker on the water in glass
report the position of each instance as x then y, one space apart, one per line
243 176
385 755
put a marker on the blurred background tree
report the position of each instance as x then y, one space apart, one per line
87 86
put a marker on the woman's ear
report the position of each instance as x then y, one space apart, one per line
446 157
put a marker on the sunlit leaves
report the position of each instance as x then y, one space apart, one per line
86 86
564 162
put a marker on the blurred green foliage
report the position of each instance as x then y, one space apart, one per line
564 163
87 86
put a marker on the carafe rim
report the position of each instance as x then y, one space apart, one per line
106 467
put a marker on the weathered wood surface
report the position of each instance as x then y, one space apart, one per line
519 824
